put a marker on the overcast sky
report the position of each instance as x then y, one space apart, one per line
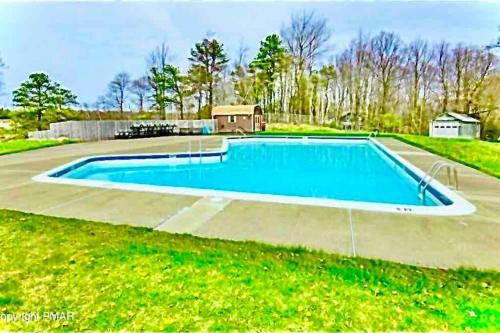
84 44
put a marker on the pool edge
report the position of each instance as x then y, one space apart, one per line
459 205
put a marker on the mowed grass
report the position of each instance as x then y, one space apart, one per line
16 146
481 155
125 278
303 129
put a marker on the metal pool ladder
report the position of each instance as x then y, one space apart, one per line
239 130
431 175
190 150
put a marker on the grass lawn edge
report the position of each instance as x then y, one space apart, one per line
433 151
44 143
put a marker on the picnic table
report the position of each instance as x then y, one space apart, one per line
146 130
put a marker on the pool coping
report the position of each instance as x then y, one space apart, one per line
458 206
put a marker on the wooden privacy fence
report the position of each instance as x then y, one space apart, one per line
95 130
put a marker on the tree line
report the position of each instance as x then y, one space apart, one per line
377 81
164 85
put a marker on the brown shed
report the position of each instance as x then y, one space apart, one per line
234 118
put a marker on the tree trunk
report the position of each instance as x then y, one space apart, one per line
210 96
181 105
141 103
39 118
200 97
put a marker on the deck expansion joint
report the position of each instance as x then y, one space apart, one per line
21 171
190 218
66 203
353 239
10 187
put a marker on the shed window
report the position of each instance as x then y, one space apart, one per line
231 119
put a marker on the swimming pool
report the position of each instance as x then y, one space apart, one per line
351 173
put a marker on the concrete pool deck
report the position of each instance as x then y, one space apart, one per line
471 240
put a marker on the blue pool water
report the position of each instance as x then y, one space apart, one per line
344 171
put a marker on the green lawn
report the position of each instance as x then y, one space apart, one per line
481 155
16 146
125 278
292 129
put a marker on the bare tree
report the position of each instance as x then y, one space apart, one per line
140 88
386 48
240 78
419 69
159 57
102 103
241 57
306 38
442 56
460 57
118 91
157 60
462 73
356 74
479 65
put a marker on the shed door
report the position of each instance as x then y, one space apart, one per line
257 123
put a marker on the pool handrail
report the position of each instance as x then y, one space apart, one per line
431 174
239 130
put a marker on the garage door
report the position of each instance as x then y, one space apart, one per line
446 131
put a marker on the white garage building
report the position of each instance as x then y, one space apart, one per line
455 125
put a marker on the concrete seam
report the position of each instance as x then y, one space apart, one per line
168 217
72 201
21 171
353 240
15 186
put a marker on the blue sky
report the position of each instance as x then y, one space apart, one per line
84 44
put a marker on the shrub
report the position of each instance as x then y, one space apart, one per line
5 113
23 121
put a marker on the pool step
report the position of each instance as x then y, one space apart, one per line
191 218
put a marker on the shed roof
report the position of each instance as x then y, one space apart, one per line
230 110
458 116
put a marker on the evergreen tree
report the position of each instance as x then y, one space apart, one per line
268 60
209 55
158 82
176 87
40 93
198 81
